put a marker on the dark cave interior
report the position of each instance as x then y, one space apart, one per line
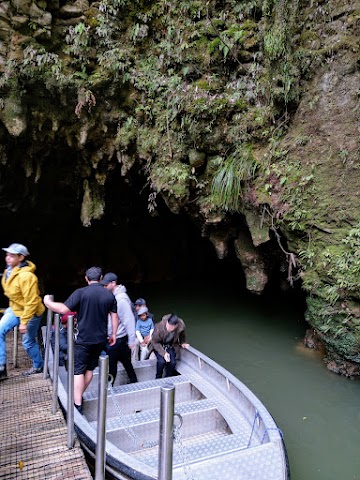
141 248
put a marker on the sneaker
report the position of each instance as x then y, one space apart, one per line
32 371
3 374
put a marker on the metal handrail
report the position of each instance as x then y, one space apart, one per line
49 320
166 431
70 380
101 418
56 364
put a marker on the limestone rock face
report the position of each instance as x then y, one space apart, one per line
73 10
13 117
196 159
22 6
247 123
220 241
252 263
259 231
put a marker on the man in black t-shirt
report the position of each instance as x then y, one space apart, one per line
92 304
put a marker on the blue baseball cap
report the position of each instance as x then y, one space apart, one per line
17 249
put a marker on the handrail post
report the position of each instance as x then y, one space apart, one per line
101 418
47 339
16 346
56 363
70 380
166 431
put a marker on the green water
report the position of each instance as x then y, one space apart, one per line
259 340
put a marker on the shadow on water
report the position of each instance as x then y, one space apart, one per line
260 340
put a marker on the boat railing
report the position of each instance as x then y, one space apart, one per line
167 403
49 320
101 424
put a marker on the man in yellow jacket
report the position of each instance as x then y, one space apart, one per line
25 309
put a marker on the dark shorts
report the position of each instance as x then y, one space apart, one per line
86 357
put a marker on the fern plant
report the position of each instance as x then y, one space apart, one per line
227 183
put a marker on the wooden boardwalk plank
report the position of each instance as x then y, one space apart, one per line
33 441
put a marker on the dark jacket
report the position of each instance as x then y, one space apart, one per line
160 333
62 345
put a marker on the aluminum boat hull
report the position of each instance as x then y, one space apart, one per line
226 432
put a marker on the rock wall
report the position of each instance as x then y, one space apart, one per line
242 116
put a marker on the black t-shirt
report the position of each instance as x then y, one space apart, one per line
92 304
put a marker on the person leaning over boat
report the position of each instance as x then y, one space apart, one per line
93 304
168 337
25 309
125 334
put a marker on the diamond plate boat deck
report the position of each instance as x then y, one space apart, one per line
226 432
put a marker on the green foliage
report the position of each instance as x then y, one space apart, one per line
307 257
126 134
336 327
342 263
147 139
294 188
117 61
227 182
78 41
236 35
275 41
106 22
278 49
41 64
172 177
331 293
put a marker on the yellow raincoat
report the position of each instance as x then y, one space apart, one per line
22 289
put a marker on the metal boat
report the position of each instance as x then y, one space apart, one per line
225 433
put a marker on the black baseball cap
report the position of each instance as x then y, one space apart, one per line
140 301
109 277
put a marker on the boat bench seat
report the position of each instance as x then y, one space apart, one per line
144 417
203 447
92 394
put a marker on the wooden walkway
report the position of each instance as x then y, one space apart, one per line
33 441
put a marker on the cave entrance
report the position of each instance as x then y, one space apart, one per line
141 248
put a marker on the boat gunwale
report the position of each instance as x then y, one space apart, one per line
271 428
125 464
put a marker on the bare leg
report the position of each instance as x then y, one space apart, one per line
88 378
81 382
79 388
